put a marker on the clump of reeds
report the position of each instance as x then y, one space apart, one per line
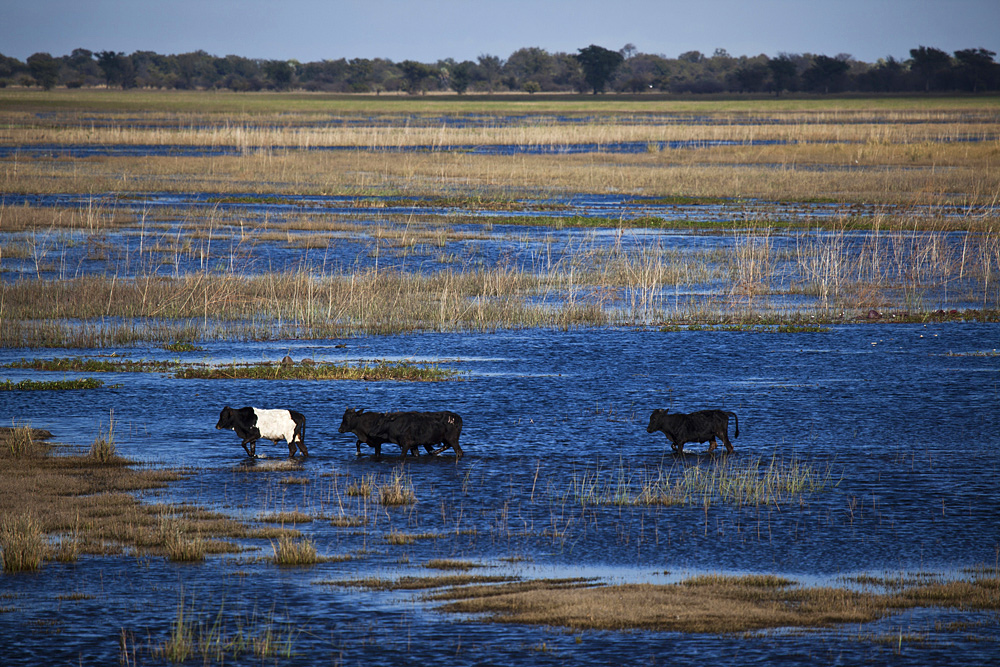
214 642
289 551
363 487
19 441
345 521
398 538
183 549
103 448
398 490
751 481
22 543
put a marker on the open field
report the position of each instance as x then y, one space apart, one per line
552 269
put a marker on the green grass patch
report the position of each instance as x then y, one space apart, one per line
51 385
382 370
267 371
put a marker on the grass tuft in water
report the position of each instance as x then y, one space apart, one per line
289 551
103 449
398 490
752 481
22 543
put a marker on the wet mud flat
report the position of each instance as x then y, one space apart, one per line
890 429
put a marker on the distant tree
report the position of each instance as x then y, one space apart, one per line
462 76
783 74
640 73
415 74
826 74
599 65
113 66
749 78
491 70
694 57
530 64
976 69
279 73
887 75
44 69
629 51
931 66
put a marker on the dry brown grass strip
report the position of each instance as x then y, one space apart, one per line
89 505
713 605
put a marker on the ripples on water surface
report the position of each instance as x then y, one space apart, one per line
900 421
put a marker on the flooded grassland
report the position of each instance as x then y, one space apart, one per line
552 274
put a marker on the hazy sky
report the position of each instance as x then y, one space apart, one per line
429 30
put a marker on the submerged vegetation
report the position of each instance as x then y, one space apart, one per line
753 481
237 371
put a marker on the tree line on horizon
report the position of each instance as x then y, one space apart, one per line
531 70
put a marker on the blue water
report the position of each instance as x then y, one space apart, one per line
900 420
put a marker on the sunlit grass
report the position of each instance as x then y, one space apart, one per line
743 481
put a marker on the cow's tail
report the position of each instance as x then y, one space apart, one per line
300 427
737 420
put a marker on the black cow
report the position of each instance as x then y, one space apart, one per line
362 425
274 425
409 430
701 426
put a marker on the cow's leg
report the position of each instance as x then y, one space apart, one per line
247 449
252 441
291 448
713 445
725 441
302 446
359 447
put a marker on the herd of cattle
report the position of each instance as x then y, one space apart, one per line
412 430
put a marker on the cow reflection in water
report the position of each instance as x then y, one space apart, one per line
701 426
409 430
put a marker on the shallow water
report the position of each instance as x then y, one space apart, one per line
899 420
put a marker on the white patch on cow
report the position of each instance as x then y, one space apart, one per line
275 424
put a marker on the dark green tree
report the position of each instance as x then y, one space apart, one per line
415 75
599 65
784 74
279 73
931 66
44 69
112 65
976 69
462 76
491 70
749 78
826 74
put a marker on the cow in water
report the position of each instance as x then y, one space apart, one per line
409 430
701 426
274 425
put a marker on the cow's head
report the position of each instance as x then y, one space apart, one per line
225 418
349 420
654 419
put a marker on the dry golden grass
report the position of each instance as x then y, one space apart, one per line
959 173
89 505
710 604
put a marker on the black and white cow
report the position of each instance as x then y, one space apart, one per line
274 425
701 426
